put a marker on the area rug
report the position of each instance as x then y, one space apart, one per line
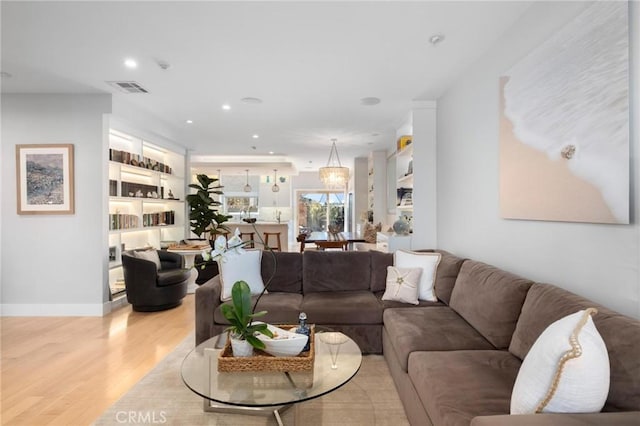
370 398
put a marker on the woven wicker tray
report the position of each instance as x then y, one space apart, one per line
262 361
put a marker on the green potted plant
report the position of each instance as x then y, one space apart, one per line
203 214
240 316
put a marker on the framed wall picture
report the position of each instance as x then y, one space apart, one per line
44 176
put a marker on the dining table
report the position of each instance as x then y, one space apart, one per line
351 237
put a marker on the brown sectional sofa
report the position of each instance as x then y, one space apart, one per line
455 361
341 290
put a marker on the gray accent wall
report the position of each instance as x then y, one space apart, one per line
54 264
598 261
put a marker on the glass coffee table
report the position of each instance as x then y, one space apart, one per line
337 360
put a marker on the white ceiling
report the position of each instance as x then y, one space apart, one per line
310 63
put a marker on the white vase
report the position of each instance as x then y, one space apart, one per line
241 347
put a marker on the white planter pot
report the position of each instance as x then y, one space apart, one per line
241 347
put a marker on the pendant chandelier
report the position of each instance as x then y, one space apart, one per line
247 187
334 175
275 187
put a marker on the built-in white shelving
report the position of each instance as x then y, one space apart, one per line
146 198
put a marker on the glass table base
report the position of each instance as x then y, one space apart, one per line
213 407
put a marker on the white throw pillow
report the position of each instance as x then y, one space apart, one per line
244 266
402 284
565 371
151 255
429 264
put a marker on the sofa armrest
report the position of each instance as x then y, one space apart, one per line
207 300
626 418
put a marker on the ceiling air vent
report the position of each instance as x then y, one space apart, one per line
128 86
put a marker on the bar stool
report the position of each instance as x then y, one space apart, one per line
266 240
251 238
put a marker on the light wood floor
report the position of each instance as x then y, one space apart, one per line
68 370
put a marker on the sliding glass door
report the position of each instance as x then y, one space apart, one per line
316 210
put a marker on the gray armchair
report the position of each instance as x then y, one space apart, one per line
149 289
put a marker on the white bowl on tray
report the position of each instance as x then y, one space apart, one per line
284 342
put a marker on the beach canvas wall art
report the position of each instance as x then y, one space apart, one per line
564 123
45 179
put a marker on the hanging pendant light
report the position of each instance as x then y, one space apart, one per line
275 187
247 187
334 175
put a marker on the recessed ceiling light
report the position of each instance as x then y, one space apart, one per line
226 107
189 121
370 101
436 39
250 100
130 63
271 152
255 136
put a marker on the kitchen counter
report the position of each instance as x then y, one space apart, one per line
262 227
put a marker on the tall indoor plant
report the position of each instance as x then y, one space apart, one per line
203 213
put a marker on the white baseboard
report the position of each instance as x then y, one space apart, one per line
55 310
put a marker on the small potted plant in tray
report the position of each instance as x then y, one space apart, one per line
242 329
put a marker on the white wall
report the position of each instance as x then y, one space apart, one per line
598 261
425 229
53 264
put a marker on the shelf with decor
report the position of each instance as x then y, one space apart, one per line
146 198
400 180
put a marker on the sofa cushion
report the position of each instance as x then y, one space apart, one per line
344 307
172 276
402 284
437 328
428 262
546 303
446 274
282 308
566 370
288 277
455 387
326 271
243 266
379 263
386 304
490 299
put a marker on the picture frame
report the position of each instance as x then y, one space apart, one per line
45 179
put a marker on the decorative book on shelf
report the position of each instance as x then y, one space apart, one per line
136 160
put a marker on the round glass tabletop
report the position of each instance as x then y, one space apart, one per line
337 360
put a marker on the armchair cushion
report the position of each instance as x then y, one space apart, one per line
150 255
